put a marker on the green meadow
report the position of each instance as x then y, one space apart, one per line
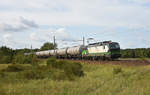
98 79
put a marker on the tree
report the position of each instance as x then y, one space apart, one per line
48 46
6 54
136 53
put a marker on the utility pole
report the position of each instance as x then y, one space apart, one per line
31 48
31 51
54 46
83 41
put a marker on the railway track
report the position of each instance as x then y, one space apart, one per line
116 62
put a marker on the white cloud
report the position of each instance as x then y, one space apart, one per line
131 14
7 40
108 13
28 23
62 37
18 26
33 36
7 37
140 1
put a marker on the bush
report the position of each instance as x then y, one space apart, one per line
5 59
6 55
35 74
20 59
59 75
71 69
56 70
77 69
25 59
51 61
34 60
14 68
2 74
117 70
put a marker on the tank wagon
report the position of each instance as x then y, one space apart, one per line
76 51
61 53
94 51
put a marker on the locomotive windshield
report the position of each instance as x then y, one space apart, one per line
114 46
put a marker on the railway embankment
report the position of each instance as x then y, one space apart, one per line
123 62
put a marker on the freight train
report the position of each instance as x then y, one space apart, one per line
95 51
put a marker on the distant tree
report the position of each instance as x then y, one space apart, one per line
48 46
136 53
6 54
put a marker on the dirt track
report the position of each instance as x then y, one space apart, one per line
118 62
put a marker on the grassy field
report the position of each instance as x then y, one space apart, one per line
99 79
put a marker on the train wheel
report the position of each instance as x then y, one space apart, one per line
104 58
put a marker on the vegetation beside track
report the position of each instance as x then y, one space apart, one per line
104 79
122 62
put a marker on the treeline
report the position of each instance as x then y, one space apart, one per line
136 53
8 55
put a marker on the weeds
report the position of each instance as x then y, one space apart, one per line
117 70
14 68
100 80
51 62
56 70
2 90
71 69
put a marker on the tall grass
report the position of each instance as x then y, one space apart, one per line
57 70
98 80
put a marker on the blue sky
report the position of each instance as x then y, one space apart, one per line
24 23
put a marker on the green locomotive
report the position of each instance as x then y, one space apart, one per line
102 50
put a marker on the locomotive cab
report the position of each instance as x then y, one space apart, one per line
114 49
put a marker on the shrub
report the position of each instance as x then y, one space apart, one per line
57 70
77 69
71 69
34 60
117 70
34 74
19 58
5 59
59 75
51 61
25 59
2 74
14 68
5 55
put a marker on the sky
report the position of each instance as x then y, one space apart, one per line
33 22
